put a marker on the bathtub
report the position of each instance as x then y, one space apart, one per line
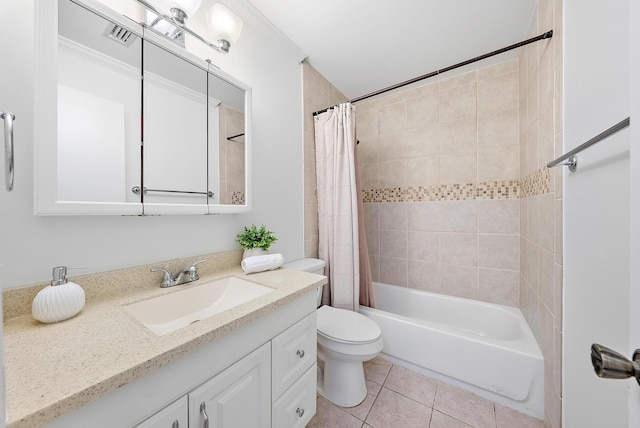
482 347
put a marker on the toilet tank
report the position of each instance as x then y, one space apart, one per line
309 265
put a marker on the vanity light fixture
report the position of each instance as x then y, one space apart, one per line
180 10
168 18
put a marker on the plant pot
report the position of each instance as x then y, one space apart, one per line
253 252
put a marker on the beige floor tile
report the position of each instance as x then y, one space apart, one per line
440 420
411 384
328 415
377 370
405 401
395 410
362 410
465 406
508 418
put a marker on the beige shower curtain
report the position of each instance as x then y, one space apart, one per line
342 242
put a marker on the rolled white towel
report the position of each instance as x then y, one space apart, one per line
262 263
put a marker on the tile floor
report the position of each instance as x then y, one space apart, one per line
400 398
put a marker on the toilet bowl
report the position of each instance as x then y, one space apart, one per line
345 340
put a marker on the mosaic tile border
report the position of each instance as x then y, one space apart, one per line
445 192
237 198
536 183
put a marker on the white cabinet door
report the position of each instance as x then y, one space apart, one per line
297 406
175 415
240 396
293 352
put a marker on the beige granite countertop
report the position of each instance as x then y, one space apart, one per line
52 369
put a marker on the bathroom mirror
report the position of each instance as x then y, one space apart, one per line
140 125
175 132
97 109
227 120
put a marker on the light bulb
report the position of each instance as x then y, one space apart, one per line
223 23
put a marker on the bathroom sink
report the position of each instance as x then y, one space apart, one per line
173 311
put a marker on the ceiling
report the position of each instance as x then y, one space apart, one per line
364 45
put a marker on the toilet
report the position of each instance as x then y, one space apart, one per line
346 339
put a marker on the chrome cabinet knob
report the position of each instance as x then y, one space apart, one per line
300 412
300 353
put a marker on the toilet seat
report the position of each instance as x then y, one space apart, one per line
348 327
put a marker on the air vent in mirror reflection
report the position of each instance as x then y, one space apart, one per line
120 34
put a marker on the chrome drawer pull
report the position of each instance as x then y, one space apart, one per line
300 411
175 424
300 353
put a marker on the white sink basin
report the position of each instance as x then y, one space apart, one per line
173 311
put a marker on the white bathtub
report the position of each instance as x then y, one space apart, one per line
483 347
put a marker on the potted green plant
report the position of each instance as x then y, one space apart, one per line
255 241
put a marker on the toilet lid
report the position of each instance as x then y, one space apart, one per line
344 326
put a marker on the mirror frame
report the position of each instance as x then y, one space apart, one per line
45 128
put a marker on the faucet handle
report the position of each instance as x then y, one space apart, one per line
193 270
168 279
197 263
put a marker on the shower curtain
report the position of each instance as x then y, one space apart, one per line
342 241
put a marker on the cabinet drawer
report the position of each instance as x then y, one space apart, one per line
175 415
293 352
297 406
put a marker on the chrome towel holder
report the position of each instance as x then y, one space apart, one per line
571 159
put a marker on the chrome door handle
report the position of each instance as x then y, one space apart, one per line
205 417
8 148
609 364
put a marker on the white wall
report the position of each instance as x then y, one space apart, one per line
634 298
596 210
30 245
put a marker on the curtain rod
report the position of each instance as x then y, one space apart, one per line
546 35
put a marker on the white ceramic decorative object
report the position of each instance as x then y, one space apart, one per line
60 300
253 252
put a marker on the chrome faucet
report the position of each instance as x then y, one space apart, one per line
187 274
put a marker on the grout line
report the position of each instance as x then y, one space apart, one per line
431 416
452 417
372 404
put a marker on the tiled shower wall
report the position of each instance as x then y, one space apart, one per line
440 168
318 94
541 207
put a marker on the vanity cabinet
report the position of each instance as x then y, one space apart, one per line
273 386
262 374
